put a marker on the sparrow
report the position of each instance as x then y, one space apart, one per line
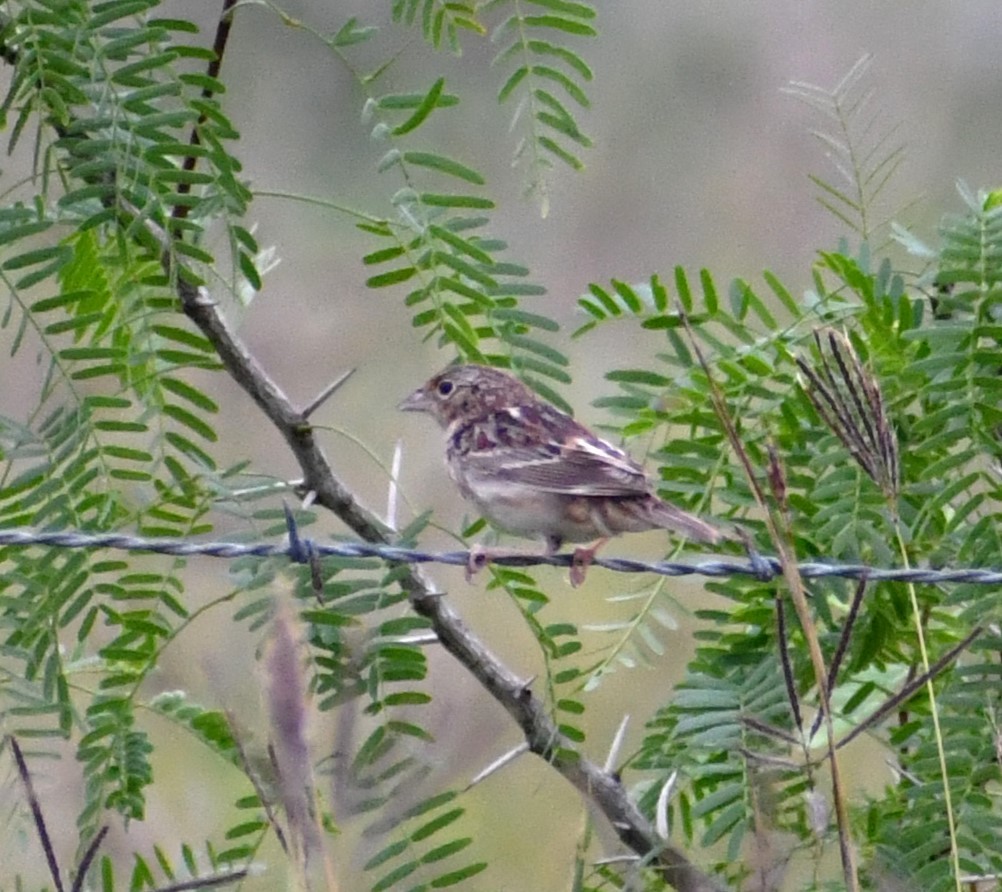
533 471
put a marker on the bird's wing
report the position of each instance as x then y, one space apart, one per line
550 451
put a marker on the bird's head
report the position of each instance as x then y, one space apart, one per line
467 392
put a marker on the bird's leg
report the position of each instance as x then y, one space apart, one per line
582 561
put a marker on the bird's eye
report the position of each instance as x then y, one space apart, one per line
444 388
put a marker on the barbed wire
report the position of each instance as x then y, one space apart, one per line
301 550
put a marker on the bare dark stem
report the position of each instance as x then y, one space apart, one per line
88 858
784 657
36 813
909 689
223 26
843 644
204 882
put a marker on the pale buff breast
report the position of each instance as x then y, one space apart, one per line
527 511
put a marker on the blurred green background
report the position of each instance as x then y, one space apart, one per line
699 160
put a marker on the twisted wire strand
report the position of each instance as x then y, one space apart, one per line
299 549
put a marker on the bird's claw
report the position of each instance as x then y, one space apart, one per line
582 559
580 563
479 558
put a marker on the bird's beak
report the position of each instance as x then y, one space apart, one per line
419 401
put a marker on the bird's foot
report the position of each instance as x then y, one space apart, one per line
480 557
581 561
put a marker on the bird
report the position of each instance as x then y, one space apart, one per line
535 472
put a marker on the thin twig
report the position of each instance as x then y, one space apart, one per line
782 640
909 690
204 882
327 393
89 855
36 813
255 782
843 644
180 210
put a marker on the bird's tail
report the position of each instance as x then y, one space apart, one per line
685 524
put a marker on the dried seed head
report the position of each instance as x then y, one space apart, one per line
848 398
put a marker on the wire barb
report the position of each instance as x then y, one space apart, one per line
299 549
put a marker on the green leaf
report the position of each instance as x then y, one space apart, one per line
629 297
384 254
395 876
425 108
710 299
780 291
112 12
407 698
38 255
557 150
22 231
190 421
393 277
540 349
397 101
189 393
387 853
610 306
185 446
459 320
433 199
85 354
351 33
557 76
467 345
249 270
444 165
639 376
659 294
542 47
514 79
532 320
682 289
184 336
531 364
568 7
436 824
446 851
458 876
560 23
465 246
